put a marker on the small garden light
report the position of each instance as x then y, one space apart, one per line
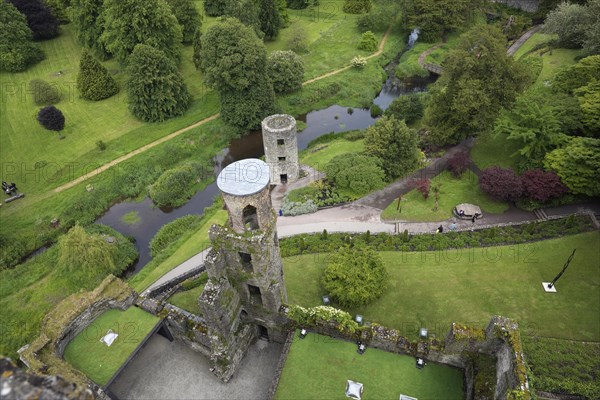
361 348
420 363
303 333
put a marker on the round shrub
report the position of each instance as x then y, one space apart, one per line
501 184
358 62
286 70
51 118
375 110
355 276
292 208
44 93
408 107
356 6
357 172
542 186
174 187
459 163
368 42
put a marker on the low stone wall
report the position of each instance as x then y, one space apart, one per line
164 290
189 329
280 364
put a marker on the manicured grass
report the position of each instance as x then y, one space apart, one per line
535 40
453 191
131 218
318 367
186 247
318 156
409 62
100 362
491 150
188 300
563 365
434 289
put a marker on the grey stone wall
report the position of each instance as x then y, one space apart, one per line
281 147
236 205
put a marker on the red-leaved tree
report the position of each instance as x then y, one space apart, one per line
459 163
423 186
502 184
542 186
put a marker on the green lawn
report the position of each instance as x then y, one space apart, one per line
434 289
453 191
188 246
318 156
318 367
100 362
188 300
491 150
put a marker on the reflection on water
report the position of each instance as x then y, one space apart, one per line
332 119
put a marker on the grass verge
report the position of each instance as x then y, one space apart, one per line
470 285
318 156
453 191
318 367
188 300
100 362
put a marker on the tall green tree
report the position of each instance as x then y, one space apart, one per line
17 51
589 101
395 144
479 79
197 49
246 11
234 62
270 18
187 16
591 35
535 127
155 87
86 16
93 80
40 19
214 8
577 163
569 22
435 17
128 23
286 71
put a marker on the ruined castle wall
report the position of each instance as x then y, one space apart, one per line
281 147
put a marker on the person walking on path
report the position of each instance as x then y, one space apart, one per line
440 229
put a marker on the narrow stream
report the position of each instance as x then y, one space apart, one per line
332 119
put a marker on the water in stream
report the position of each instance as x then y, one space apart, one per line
332 119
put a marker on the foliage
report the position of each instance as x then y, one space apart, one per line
500 183
40 19
214 8
408 107
86 16
17 51
577 163
175 186
270 18
395 144
190 283
379 18
536 128
197 49
187 16
128 23
51 118
292 208
368 42
375 111
171 232
459 163
43 92
93 80
156 90
591 40
356 6
286 71
358 62
422 185
589 101
568 21
298 39
563 366
300 4
234 62
570 78
322 315
82 254
355 172
355 276
542 186
435 17
479 79
246 11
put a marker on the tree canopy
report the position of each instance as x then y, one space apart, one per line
17 51
479 79
40 19
357 172
93 80
395 144
86 16
569 21
155 86
187 16
51 118
270 18
286 71
355 276
128 23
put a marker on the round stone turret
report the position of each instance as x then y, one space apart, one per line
281 147
245 188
